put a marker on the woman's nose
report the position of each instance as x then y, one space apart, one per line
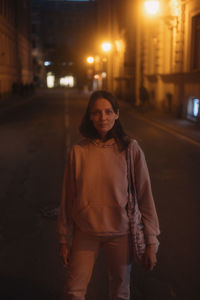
103 115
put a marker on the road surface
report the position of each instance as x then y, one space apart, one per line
34 140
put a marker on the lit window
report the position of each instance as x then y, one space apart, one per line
50 80
47 63
195 107
67 81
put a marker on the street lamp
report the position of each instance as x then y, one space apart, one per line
107 64
90 71
152 9
90 59
152 6
106 46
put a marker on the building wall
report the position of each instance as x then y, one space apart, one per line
39 73
169 55
111 16
15 47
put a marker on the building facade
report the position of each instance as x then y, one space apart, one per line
39 74
117 24
158 56
111 30
15 46
168 49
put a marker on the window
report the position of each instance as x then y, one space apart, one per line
196 43
193 108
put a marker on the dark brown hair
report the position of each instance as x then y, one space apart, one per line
117 132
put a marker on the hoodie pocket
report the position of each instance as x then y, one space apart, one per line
102 219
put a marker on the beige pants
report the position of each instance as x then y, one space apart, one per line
82 258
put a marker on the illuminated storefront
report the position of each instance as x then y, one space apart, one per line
193 109
50 80
67 81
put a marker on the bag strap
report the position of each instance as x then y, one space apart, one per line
131 182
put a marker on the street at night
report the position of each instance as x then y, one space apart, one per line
68 204
34 139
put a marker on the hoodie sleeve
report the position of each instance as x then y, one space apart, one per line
144 195
65 223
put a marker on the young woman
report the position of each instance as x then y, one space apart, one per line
95 193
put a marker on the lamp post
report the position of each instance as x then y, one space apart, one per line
163 22
107 48
90 71
150 11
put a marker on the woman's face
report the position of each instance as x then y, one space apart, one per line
103 116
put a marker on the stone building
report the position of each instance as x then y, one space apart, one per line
159 55
117 24
15 46
168 50
39 73
111 29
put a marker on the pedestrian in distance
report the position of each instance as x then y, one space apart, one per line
94 207
144 98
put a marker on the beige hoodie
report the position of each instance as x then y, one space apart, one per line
95 188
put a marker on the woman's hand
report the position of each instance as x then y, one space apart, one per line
150 259
64 254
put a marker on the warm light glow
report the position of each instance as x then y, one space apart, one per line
175 7
97 59
106 47
103 74
90 59
67 81
152 7
96 76
50 80
119 45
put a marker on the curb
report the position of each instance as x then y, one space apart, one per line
169 129
165 126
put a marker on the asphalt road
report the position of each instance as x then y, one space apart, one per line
34 138
174 166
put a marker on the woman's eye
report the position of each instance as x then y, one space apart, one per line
109 112
95 113
99 113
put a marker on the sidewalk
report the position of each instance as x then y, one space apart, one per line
14 101
185 129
